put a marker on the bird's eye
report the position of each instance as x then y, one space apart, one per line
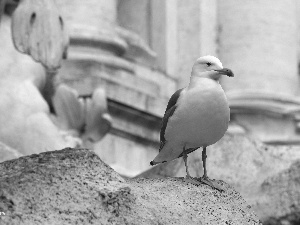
208 64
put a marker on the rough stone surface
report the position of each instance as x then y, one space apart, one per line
247 165
73 186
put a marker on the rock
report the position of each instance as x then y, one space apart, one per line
73 186
244 163
236 159
278 199
8 153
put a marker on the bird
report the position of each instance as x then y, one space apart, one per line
196 116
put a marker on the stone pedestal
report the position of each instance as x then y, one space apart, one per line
258 41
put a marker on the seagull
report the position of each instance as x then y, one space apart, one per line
196 116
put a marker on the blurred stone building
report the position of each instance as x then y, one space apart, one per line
141 51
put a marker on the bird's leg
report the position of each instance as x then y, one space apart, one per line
188 177
204 156
185 163
205 178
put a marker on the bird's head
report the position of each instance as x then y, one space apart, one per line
210 67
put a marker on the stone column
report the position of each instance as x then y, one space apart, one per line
258 40
92 25
164 33
134 15
80 14
196 35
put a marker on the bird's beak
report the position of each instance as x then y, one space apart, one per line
226 71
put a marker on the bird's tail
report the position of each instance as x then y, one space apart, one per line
166 153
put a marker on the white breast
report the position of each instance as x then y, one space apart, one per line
201 117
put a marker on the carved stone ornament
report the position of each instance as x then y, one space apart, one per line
38 30
89 116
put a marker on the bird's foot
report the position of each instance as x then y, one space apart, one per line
191 180
211 183
204 180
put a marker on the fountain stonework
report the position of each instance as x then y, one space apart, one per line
127 57
104 54
143 51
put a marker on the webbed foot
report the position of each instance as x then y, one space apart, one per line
211 183
191 180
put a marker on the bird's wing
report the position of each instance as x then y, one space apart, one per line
188 151
168 113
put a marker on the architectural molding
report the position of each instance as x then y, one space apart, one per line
134 124
278 115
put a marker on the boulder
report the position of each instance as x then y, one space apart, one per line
248 165
73 186
278 199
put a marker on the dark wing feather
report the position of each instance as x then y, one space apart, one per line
168 113
173 99
164 123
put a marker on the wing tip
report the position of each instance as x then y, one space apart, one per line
152 163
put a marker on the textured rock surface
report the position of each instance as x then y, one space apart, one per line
73 186
248 165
